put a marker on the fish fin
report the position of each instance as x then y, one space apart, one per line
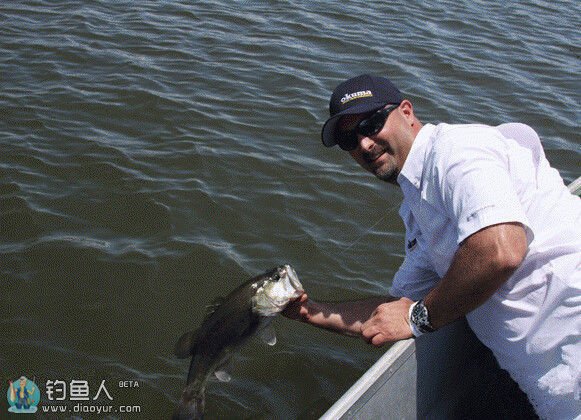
222 372
222 376
211 308
191 405
268 335
185 345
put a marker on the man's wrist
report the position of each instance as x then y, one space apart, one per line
419 319
415 331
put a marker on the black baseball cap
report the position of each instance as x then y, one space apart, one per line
358 95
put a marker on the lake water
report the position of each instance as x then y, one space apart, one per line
155 154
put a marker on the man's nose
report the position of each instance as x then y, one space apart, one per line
365 143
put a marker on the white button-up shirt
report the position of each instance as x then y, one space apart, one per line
459 179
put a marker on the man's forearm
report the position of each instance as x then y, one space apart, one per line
481 265
343 317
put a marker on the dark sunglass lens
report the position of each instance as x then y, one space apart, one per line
373 124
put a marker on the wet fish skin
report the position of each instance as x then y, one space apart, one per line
247 310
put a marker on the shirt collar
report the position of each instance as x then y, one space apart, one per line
413 166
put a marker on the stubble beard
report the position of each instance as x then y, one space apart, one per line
387 172
388 175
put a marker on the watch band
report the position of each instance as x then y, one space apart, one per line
415 331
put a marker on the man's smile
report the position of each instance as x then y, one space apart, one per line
372 158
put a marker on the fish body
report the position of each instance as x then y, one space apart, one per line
246 311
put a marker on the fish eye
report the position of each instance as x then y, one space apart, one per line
276 276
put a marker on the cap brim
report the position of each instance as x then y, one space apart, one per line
328 131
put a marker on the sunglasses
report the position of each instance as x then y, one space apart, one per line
367 127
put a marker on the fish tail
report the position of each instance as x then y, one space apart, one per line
191 404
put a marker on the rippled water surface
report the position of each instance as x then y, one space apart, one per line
153 155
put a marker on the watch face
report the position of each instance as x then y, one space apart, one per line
417 314
420 317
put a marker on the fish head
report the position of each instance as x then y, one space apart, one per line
275 289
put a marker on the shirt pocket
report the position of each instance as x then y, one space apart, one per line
439 237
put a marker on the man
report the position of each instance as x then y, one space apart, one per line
21 396
492 234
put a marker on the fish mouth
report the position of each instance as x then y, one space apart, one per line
274 294
293 278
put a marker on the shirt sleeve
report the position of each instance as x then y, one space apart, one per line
414 278
475 184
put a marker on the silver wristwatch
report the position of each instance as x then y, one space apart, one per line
420 318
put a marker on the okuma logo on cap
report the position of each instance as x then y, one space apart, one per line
356 95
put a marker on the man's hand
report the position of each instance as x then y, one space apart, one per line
388 323
297 309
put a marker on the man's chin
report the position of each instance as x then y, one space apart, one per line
387 175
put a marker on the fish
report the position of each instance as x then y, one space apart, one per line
245 312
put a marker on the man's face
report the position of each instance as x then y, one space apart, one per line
375 153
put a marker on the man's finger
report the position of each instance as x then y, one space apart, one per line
369 323
369 331
378 340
